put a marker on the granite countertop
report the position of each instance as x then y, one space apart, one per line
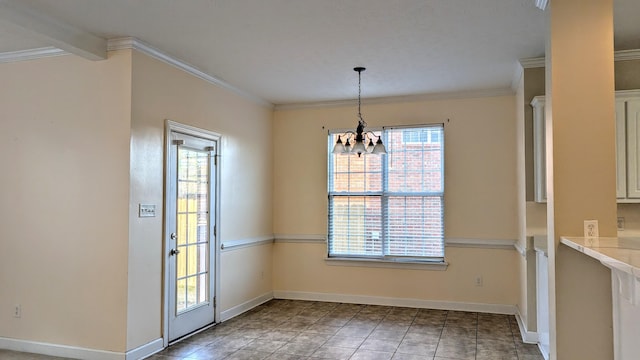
617 253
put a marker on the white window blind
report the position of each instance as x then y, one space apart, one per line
389 206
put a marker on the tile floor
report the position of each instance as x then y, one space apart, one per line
287 329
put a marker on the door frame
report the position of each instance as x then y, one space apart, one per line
173 126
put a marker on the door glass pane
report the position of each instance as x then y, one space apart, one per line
191 291
193 224
181 293
181 263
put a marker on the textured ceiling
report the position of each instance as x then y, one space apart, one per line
293 51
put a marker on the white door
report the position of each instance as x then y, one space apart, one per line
190 242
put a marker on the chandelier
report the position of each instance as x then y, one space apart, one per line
361 141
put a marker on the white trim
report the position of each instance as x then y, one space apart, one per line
388 301
397 99
66 351
522 251
193 131
481 243
517 77
136 44
627 94
145 350
242 243
301 238
541 4
528 337
171 126
529 63
449 242
620 55
53 31
245 306
31 54
380 263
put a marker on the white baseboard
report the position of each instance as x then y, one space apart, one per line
58 350
245 306
388 301
528 337
145 350
75 352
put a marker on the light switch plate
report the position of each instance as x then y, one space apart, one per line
146 210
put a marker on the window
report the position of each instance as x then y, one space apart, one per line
389 207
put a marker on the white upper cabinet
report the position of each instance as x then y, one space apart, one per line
627 147
633 147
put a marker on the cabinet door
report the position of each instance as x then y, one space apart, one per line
633 149
621 152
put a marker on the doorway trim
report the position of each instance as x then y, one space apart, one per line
173 126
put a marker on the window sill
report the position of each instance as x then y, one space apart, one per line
413 265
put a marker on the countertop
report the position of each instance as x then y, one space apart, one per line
617 253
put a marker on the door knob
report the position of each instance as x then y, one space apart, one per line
174 252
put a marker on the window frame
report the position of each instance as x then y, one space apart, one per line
384 196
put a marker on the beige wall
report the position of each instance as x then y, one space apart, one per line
480 200
64 146
247 273
480 176
302 268
163 92
85 141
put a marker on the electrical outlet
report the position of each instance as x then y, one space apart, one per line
620 223
17 311
591 229
479 280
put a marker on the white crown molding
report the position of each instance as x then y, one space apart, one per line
620 55
529 63
404 302
517 77
53 31
541 4
31 54
627 94
133 43
399 99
